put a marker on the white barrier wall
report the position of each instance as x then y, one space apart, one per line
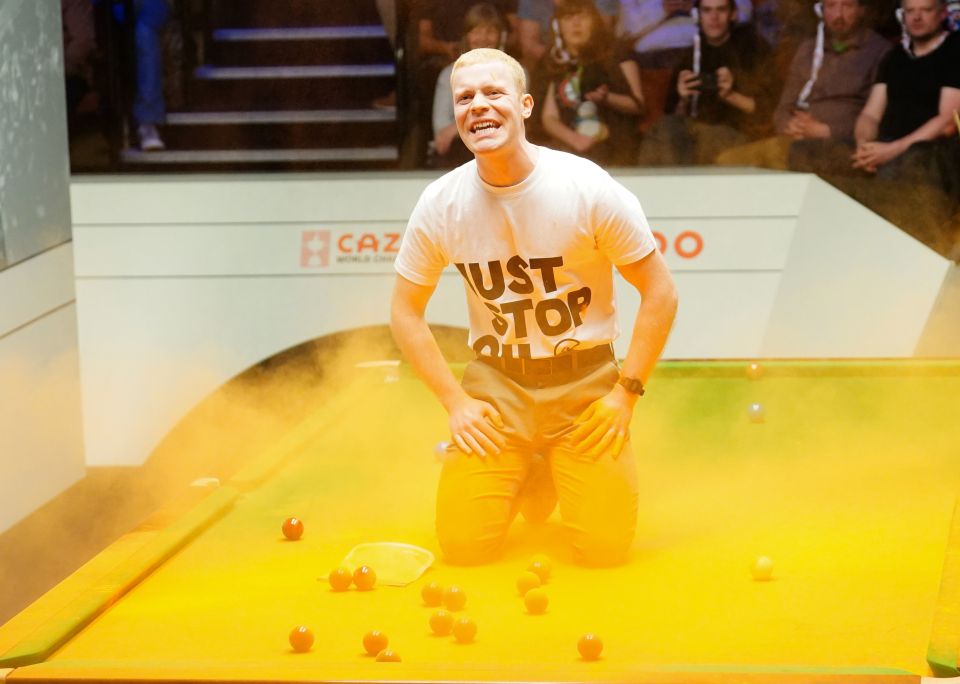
40 421
183 283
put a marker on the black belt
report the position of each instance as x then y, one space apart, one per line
552 365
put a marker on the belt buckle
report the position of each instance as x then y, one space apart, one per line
537 366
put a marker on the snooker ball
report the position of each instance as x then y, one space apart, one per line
441 622
590 646
541 566
754 371
374 642
301 639
388 656
756 413
536 601
340 579
432 594
292 528
364 577
527 581
454 598
762 569
464 630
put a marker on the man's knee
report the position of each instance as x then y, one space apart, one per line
468 547
602 548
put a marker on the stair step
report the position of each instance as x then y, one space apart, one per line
212 73
281 117
299 33
280 135
341 154
271 94
291 47
280 13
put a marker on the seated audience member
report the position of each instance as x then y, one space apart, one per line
906 129
659 32
79 44
483 28
907 153
827 85
588 104
534 26
722 92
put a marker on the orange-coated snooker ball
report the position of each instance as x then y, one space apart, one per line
340 579
374 642
292 528
590 646
464 630
527 581
301 639
364 577
388 656
441 622
432 594
536 601
454 598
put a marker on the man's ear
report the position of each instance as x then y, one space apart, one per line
526 104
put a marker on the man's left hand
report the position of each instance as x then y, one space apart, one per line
724 83
872 155
605 424
803 125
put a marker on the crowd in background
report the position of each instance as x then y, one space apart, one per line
861 94
853 90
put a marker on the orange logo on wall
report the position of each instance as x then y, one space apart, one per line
687 244
314 248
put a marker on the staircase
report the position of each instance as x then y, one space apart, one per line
283 84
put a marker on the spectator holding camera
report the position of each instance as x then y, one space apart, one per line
722 92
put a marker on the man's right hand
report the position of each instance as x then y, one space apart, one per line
476 428
687 84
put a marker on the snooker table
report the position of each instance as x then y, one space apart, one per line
848 484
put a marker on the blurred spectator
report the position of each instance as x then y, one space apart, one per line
587 93
149 106
440 27
722 93
766 19
535 26
79 45
827 86
483 27
659 32
910 108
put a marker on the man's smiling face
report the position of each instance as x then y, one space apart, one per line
489 108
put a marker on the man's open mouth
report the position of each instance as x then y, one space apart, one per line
481 126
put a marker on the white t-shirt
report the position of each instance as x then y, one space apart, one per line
536 257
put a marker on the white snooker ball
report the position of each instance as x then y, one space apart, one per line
762 569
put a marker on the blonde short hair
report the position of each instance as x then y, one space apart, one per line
487 55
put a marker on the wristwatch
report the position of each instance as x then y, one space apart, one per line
632 385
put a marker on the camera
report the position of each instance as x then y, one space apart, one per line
708 82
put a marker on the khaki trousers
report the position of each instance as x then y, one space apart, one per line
478 498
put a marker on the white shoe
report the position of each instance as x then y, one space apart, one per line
150 138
